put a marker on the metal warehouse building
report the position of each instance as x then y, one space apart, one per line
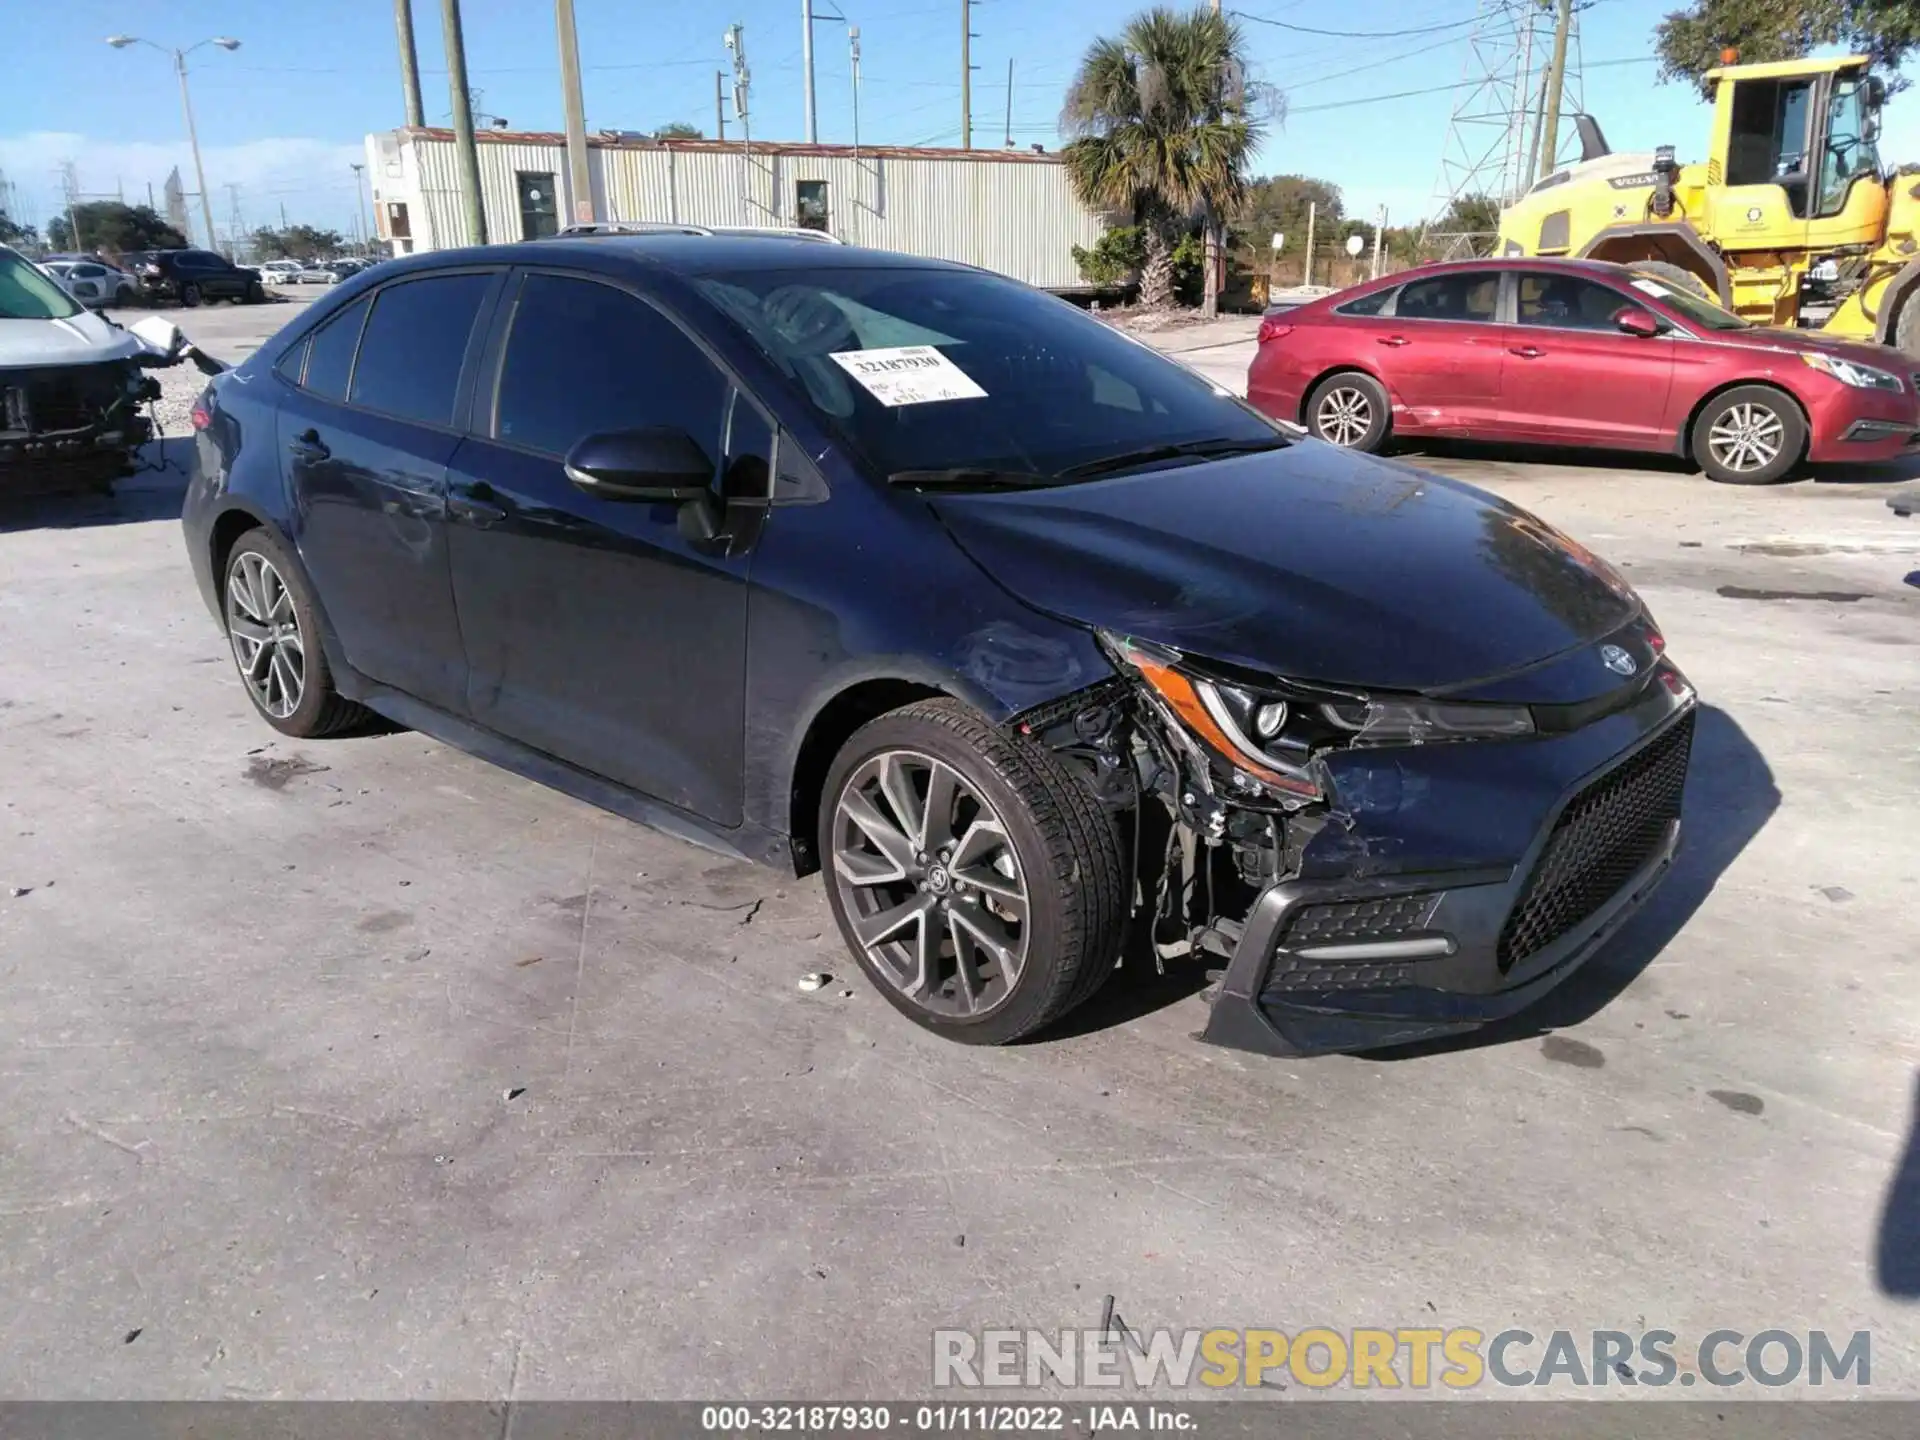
1006 210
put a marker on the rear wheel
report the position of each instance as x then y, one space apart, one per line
1906 329
274 631
1676 277
974 878
1349 410
1751 435
190 295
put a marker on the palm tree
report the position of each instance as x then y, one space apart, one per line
1160 126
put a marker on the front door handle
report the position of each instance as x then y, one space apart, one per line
1525 352
309 446
463 506
1394 340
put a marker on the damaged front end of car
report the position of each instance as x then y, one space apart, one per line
63 426
1363 869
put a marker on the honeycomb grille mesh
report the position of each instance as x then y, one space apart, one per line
1606 833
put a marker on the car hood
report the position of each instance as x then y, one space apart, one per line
1307 561
1861 352
84 339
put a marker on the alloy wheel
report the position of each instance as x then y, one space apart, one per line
1344 416
265 631
930 883
1747 437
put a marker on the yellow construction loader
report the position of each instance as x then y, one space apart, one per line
1790 220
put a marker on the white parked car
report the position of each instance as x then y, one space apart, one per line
323 272
280 272
93 282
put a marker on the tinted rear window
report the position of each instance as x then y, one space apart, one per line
1467 295
411 354
1365 305
330 353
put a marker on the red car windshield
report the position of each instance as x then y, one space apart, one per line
1697 309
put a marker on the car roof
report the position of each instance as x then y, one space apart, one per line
680 253
1507 262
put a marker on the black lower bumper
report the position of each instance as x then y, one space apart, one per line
1328 966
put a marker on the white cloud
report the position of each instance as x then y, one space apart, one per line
310 177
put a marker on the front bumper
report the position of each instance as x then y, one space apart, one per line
1343 964
68 425
1852 424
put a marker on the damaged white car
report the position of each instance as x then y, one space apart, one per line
72 388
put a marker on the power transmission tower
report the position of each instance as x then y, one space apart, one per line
236 227
1488 150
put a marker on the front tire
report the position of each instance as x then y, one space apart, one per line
1751 435
273 630
974 878
1350 410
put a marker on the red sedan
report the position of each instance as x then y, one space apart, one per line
1579 352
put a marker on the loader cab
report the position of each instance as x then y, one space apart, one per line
1794 148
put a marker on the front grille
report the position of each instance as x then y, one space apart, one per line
1343 922
1341 975
66 397
1605 834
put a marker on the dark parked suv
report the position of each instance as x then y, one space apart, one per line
1020 632
191 276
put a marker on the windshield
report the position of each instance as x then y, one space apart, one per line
26 294
1697 309
1850 150
925 370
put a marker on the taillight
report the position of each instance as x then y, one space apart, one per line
1273 329
200 415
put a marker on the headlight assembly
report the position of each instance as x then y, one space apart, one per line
1849 372
1270 732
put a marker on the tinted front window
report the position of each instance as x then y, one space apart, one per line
416 340
584 358
1468 295
1060 388
1565 302
330 352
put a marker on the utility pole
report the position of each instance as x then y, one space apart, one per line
1009 102
70 182
283 217
742 99
966 74
360 190
1556 75
1379 228
719 103
579 176
853 50
409 63
1312 209
465 152
806 67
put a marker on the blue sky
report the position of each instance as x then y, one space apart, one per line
281 118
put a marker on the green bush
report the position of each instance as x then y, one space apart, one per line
1115 260
1189 269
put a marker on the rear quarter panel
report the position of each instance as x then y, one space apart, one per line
1285 370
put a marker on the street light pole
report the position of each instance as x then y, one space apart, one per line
360 189
120 42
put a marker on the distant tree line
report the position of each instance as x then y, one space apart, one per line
111 227
296 242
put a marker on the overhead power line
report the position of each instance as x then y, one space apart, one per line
1356 34
1442 89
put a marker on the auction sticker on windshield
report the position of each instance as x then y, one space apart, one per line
908 375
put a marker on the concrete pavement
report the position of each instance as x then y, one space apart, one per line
360 1069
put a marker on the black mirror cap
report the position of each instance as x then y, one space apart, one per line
1635 321
660 462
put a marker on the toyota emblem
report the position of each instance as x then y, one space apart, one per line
1617 660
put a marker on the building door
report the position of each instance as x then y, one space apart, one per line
810 204
539 211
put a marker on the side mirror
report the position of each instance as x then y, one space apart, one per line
1632 320
657 463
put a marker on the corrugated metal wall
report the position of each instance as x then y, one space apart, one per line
1019 217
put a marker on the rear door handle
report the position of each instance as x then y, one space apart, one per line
309 446
1394 340
463 506
1525 352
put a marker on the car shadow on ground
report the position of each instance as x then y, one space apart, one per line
1730 797
1491 456
1897 1258
156 492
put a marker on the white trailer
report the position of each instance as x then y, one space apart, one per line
1007 210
